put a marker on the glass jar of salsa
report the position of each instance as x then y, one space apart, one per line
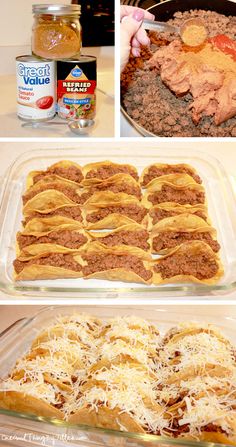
56 32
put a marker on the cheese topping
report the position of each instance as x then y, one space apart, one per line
175 386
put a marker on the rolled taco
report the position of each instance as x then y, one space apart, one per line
115 214
121 183
67 188
63 214
130 379
106 169
190 262
25 402
169 209
47 201
133 235
177 188
128 264
48 266
66 169
159 169
206 419
174 231
186 329
79 327
104 417
46 224
68 236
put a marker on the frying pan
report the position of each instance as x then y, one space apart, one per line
165 11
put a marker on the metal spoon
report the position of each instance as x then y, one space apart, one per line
80 126
164 27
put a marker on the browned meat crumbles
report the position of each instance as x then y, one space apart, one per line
105 172
60 260
135 212
116 188
181 196
171 239
200 266
158 214
72 212
136 238
66 190
71 173
155 172
66 238
152 105
99 263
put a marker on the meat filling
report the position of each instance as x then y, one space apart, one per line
135 212
66 238
182 196
71 173
200 266
177 429
159 214
171 239
99 263
133 238
59 260
72 212
105 172
155 172
67 191
116 188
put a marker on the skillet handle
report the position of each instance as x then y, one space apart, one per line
12 327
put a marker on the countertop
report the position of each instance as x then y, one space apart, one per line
224 151
11 126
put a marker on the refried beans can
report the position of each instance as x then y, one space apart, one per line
76 88
36 88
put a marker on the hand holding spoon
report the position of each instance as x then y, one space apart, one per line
193 31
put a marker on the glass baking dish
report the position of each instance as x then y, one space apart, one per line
221 205
16 340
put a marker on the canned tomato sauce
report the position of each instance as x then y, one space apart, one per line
36 90
76 87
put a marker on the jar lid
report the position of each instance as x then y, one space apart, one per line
57 10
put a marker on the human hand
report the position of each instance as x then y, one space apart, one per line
132 35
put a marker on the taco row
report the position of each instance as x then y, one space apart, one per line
99 222
123 375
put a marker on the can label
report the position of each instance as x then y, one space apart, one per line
36 89
76 93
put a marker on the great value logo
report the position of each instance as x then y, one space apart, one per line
33 75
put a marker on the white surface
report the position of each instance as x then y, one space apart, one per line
16 20
10 124
224 151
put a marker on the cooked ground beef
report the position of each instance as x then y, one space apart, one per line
181 196
67 190
116 188
53 259
159 214
72 212
171 239
66 238
155 172
135 212
61 400
152 105
213 428
99 263
71 173
201 266
105 172
136 238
